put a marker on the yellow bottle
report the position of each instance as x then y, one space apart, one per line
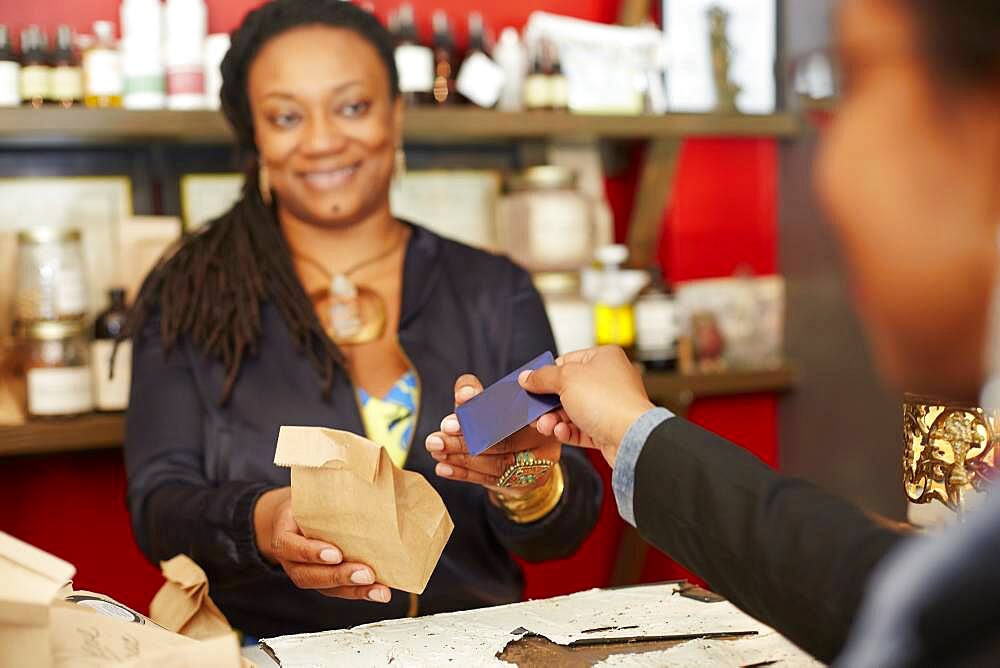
615 325
102 69
613 292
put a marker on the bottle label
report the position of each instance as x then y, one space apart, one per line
10 84
35 82
111 389
657 328
103 74
186 81
536 92
59 391
66 84
558 92
415 65
149 83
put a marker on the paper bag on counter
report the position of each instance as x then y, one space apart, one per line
183 605
83 636
30 580
346 491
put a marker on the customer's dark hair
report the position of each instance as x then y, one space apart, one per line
960 39
211 289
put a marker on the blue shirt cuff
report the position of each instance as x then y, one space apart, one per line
623 477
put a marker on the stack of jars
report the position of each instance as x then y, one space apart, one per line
50 325
53 333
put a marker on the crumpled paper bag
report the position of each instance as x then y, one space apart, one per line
346 491
183 605
44 622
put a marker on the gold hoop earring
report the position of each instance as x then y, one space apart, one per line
399 169
264 184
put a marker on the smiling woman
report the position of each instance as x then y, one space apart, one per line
309 304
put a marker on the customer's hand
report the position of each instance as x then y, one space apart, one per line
601 392
310 564
448 447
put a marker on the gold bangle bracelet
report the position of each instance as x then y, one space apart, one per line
536 504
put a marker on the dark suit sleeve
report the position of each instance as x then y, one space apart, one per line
175 509
784 551
563 530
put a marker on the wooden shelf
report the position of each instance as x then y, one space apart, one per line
55 126
89 432
678 391
101 430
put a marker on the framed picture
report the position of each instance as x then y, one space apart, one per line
458 204
205 197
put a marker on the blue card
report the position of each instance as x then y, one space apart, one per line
503 408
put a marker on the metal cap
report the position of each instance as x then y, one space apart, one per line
47 235
543 177
53 330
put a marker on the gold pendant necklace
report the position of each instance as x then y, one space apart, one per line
351 314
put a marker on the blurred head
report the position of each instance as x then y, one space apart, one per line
311 87
909 172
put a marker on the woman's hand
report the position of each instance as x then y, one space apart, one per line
602 394
310 564
448 447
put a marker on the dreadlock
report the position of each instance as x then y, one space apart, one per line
212 287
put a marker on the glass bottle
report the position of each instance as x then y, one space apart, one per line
477 43
558 85
536 84
141 51
10 71
102 69
66 84
35 67
414 62
509 55
185 29
657 326
111 369
613 290
444 59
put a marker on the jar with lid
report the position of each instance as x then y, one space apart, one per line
51 280
545 224
56 366
571 316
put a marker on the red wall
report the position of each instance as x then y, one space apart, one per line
722 218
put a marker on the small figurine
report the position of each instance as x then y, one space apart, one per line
722 55
708 341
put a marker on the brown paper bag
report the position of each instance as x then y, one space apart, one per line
346 491
30 580
82 636
183 605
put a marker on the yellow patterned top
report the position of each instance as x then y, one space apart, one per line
390 421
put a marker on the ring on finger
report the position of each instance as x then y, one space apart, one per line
525 471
